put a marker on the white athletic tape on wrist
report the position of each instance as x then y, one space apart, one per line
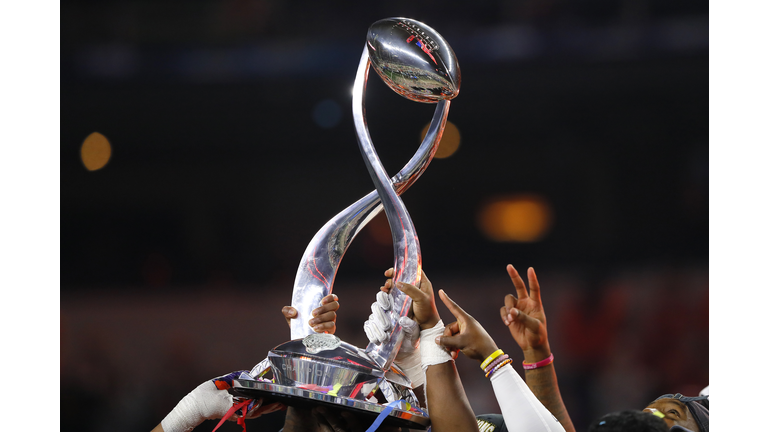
203 403
432 353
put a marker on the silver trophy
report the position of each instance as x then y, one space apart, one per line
417 63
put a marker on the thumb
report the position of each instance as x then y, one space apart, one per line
518 316
289 313
452 343
414 293
452 329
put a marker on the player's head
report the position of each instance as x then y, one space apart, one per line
688 412
629 421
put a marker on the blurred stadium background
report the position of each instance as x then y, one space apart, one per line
204 143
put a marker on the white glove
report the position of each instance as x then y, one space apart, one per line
378 327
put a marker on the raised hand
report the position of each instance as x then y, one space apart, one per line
324 320
378 327
465 334
423 305
524 316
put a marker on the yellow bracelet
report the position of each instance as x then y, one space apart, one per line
491 358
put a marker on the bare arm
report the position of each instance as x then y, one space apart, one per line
449 408
524 316
543 384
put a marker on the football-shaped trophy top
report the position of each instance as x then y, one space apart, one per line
413 60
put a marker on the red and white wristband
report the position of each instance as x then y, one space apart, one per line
539 364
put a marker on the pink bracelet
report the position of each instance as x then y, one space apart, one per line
500 365
538 364
495 362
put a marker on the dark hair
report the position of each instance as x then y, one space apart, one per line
629 421
697 405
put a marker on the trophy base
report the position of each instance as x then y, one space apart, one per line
292 396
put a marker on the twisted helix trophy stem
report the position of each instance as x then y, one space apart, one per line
428 74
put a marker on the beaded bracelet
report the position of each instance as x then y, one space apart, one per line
491 358
500 365
538 364
493 364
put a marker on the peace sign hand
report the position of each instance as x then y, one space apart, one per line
524 316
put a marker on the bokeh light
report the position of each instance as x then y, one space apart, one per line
449 142
95 151
519 218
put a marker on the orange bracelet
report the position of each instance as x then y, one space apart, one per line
502 364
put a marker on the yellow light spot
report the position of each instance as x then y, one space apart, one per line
450 141
95 151
521 218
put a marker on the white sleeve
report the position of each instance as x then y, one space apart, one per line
521 410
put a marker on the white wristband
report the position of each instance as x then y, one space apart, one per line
432 353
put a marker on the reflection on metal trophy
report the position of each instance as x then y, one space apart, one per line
417 63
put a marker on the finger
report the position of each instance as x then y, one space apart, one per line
416 294
533 282
387 286
329 307
452 343
503 312
289 313
455 309
522 292
323 318
272 408
329 298
426 284
510 302
328 326
254 409
389 272
384 300
521 317
451 329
